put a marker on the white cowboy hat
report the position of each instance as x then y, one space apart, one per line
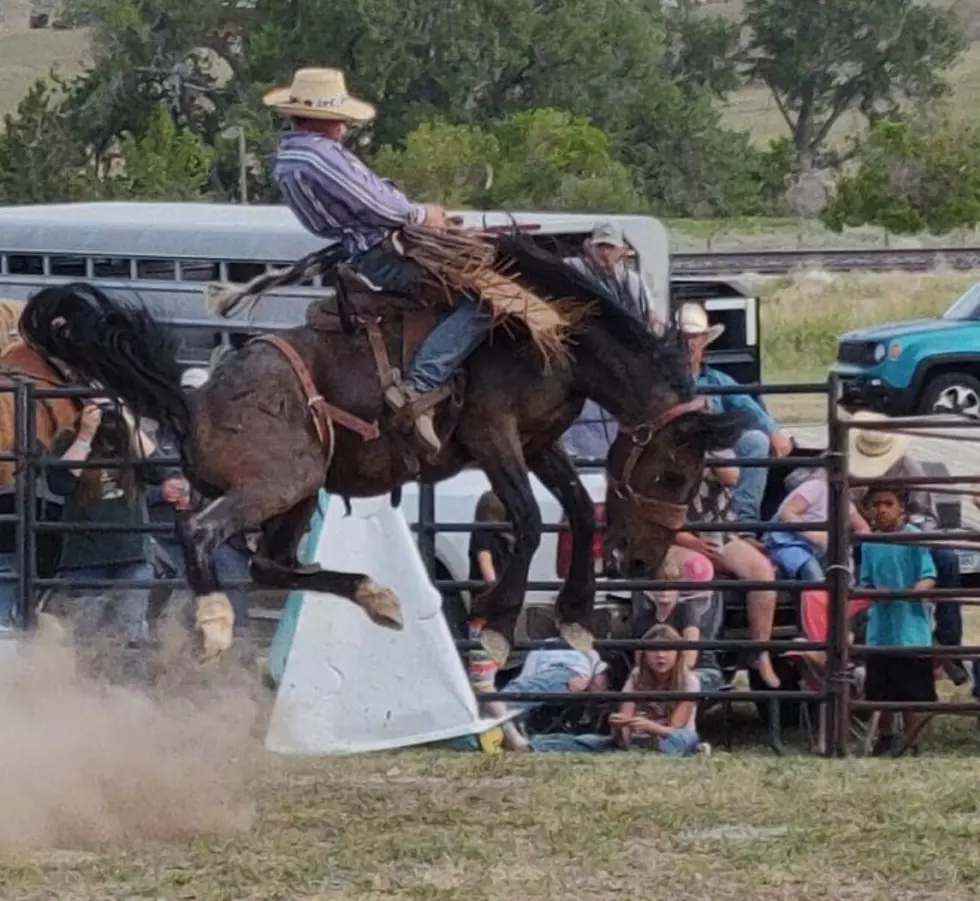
319 94
871 453
693 320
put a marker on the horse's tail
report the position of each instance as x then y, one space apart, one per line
122 347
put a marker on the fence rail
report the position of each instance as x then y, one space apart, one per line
779 262
31 463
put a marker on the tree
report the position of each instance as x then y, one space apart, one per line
823 58
542 159
164 163
701 50
41 159
912 177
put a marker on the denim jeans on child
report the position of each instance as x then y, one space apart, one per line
553 679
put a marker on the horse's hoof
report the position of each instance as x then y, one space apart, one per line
496 646
215 620
577 636
380 604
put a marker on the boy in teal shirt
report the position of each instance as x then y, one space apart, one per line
897 623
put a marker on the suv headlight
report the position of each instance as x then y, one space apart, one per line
879 352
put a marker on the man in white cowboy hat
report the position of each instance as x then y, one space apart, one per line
758 441
877 454
338 198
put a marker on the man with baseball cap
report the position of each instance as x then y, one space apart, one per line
603 259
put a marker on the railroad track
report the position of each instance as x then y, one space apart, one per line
777 262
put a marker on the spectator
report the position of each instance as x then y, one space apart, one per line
765 435
666 726
106 497
799 555
489 550
897 622
604 260
874 454
654 608
730 554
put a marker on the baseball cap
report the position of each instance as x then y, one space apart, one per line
608 233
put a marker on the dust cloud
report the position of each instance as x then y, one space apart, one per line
86 765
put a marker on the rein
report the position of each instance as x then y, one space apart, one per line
654 510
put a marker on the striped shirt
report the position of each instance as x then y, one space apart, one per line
335 196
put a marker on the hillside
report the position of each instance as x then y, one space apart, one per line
27 54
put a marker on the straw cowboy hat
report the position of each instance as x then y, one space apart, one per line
872 453
693 320
319 94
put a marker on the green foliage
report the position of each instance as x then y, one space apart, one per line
41 160
824 58
543 159
164 163
911 178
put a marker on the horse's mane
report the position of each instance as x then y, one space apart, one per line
548 274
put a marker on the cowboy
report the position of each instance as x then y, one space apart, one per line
766 434
604 259
337 197
875 454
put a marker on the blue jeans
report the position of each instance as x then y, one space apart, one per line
452 340
8 590
751 484
449 344
552 679
949 617
229 564
680 742
118 613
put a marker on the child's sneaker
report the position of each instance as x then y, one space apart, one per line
703 749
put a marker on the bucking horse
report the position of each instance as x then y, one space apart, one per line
291 413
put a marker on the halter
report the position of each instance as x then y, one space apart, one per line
653 510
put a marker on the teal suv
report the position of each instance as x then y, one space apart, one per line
915 368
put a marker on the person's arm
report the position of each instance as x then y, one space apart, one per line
927 570
578 683
795 509
73 448
625 713
858 523
866 574
743 403
691 633
326 167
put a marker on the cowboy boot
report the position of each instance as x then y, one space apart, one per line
407 402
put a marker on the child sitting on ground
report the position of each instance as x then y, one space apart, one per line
666 726
656 607
897 622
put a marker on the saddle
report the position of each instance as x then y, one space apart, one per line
396 325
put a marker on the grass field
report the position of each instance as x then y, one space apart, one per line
438 826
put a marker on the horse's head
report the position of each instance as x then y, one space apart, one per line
654 470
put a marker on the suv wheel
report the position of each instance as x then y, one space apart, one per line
951 393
